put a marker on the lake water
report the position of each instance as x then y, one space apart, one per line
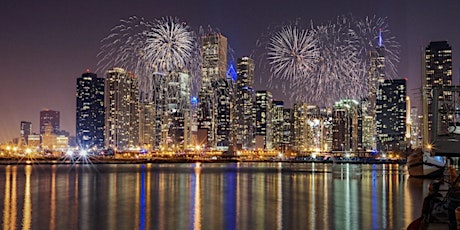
209 196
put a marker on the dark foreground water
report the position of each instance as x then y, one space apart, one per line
209 196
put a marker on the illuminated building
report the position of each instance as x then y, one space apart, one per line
415 128
49 117
90 115
437 72
48 138
310 128
277 124
288 121
214 63
224 111
345 126
391 115
121 111
25 131
165 120
263 131
376 77
244 104
147 126
299 127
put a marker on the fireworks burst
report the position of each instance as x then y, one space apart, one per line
323 64
150 48
292 52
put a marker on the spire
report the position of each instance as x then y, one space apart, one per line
380 37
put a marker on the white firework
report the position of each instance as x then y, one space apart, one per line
292 52
330 62
162 46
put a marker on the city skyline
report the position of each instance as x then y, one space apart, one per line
50 44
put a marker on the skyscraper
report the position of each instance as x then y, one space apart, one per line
345 126
214 67
437 72
367 121
90 116
263 113
244 103
121 111
277 124
25 131
49 118
391 115
224 111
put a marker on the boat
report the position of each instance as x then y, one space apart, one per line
441 209
421 164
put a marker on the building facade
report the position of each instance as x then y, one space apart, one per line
90 111
437 72
263 124
213 68
391 115
121 110
244 104
24 132
49 118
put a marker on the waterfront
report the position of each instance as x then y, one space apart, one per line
245 195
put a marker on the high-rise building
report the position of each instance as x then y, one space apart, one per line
391 115
49 118
415 129
299 127
90 114
277 124
224 111
367 118
345 126
244 103
121 110
165 120
288 120
264 126
214 68
437 72
25 131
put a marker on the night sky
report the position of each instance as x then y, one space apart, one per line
45 45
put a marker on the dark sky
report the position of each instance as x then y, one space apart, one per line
45 45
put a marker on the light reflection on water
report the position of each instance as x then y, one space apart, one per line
210 196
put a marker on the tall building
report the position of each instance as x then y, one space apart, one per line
214 63
49 118
288 121
299 127
121 110
224 111
165 120
277 124
391 115
415 129
345 126
90 114
368 116
25 131
244 103
264 126
437 72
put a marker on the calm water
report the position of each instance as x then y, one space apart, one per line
209 196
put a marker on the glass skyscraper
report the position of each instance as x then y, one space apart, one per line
90 114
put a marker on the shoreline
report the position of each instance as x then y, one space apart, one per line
105 160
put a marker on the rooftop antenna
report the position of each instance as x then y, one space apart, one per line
380 37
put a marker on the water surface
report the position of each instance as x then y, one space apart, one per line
209 196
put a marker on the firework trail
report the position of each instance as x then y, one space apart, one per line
292 52
150 49
325 63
